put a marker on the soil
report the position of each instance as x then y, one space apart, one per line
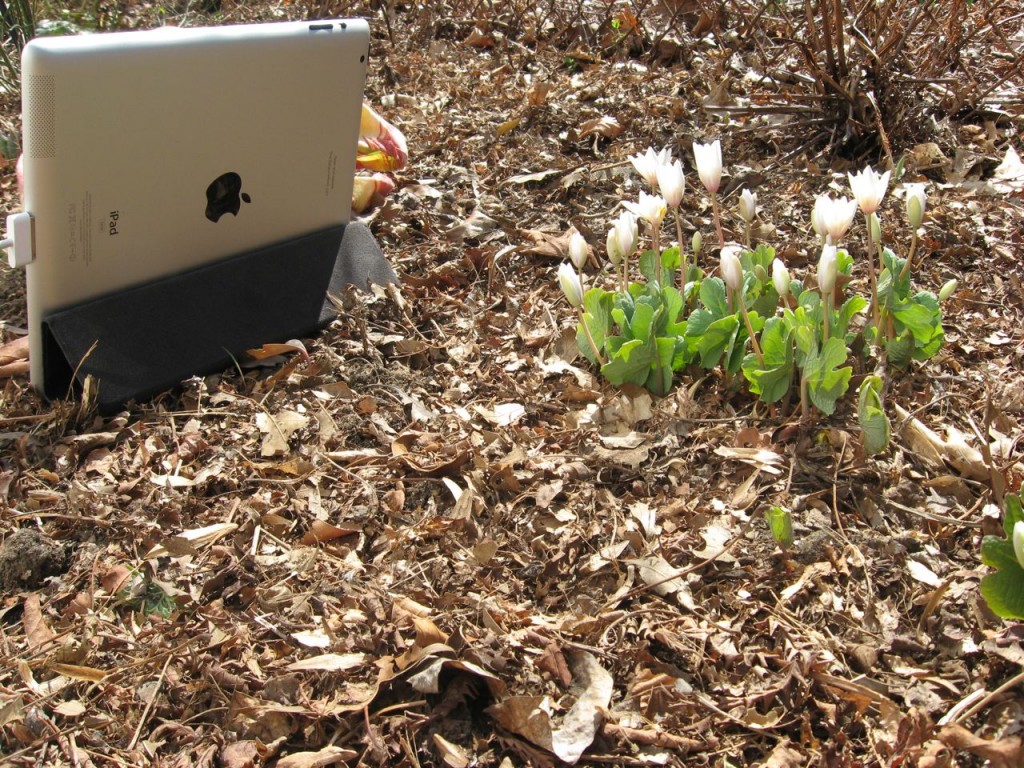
28 557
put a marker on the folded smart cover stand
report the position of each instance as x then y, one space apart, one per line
144 340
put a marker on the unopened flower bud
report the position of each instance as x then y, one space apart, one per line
697 243
571 284
780 278
732 269
916 200
876 227
747 205
577 250
947 289
827 270
760 272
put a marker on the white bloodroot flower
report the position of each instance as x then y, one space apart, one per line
828 269
571 284
649 162
709 164
623 238
869 188
748 205
651 208
916 201
832 218
780 278
732 269
578 251
672 183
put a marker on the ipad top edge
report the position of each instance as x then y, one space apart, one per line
43 50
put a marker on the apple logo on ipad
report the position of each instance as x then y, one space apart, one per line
224 195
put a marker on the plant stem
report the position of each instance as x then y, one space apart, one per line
874 282
746 234
910 256
805 406
750 329
682 256
656 245
718 219
882 314
590 338
827 314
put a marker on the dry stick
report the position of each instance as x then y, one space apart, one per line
826 34
149 704
840 42
689 569
811 29
970 712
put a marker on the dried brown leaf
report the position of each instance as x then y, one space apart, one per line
326 756
37 631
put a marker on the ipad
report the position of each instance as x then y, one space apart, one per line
153 153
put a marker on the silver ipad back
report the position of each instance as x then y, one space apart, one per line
150 153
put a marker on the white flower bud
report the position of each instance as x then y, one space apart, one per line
828 269
732 269
780 278
578 251
916 201
571 284
876 227
748 205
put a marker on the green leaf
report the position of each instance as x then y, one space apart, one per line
670 258
998 553
1004 592
772 382
844 262
630 362
659 380
874 424
917 318
669 323
852 306
781 524
698 322
649 265
597 304
900 350
1013 513
826 382
644 316
714 298
717 340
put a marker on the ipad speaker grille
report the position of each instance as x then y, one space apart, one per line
41 136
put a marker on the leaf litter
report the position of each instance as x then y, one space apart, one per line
438 539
